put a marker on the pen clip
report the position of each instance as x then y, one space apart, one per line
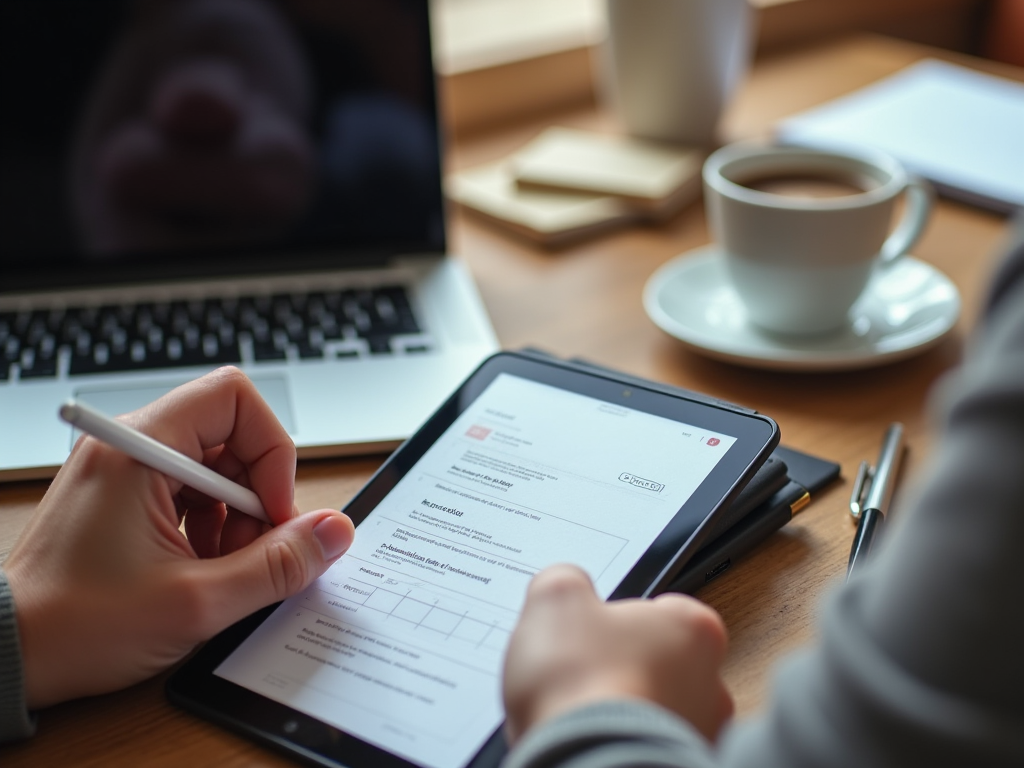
861 485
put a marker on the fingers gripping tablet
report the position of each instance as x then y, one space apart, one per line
394 656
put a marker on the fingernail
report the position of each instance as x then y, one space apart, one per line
334 535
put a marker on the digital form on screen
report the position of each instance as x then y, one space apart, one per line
401 642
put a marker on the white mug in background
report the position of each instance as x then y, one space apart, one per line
802 230
672 65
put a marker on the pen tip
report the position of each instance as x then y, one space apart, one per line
69 411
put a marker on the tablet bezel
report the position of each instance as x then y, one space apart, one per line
195 686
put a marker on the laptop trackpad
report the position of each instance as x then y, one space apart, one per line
117 400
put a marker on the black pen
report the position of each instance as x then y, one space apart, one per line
872 492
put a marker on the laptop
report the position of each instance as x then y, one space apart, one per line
186 184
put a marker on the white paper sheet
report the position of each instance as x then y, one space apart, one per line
963 130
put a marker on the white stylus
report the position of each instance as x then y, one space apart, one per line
160 457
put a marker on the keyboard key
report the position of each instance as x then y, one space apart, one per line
161 312
211 347
362 322
55 319
155 339
10 351
379 345
21 322
70 331
261 330
136 356
263 351
12 348
174 349
144 321
311 347
6 325
118 339
137 351
226 334
308 351
204 332
41 369
190 338
83 344
248 315
89 317
36 329
36 364
47 346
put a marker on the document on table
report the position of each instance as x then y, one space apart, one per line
959 128
401 642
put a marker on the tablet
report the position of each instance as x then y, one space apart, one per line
394 656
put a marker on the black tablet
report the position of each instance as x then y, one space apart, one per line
394 656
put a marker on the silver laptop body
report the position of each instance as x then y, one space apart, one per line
205 182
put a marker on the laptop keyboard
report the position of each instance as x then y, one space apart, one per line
208 332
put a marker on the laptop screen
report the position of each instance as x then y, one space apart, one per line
176 138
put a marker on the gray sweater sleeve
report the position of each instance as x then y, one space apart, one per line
15 722
613 734
921 659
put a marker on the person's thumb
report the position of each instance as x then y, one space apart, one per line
557 594
560 585
278 564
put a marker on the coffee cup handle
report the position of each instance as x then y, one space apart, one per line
920 196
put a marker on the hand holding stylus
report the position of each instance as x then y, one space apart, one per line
109 591
162 458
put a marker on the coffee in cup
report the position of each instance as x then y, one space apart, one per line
802 230
808 186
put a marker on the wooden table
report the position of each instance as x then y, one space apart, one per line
585 300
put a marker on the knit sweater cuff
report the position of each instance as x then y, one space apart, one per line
15 721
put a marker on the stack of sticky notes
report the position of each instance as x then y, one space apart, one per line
567 184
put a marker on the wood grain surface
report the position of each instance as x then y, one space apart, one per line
585 301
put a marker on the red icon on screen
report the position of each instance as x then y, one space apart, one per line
713 441
477 432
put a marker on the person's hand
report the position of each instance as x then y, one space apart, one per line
571 649
108 591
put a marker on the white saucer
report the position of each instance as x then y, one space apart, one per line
906 309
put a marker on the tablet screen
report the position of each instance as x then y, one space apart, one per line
401 642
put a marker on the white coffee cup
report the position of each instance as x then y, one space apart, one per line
802 230
672 65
